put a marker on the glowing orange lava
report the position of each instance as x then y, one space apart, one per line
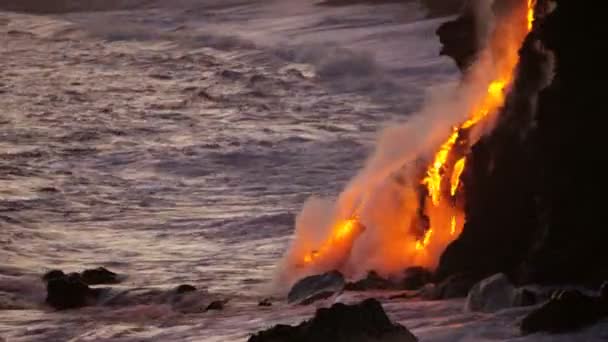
434 174
504 45
531 4
453 226
421 244
456 173
340 233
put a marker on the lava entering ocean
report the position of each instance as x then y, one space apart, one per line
396 214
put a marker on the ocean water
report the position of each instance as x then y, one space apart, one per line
176 144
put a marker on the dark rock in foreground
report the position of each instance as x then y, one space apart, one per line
316 287
99 276
69 292
566 311
365 321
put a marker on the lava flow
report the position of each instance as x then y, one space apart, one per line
438 209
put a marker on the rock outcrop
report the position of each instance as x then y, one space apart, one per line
316 287
567 311
533 186
69 292
361 322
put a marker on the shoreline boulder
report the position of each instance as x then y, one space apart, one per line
316 287
365 321
70 292
566 311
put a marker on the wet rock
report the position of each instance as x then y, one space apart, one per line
459 39
216 305
566 311
604 291
316 297
69 292
53 274
185 289
491 294
525 297
455 286
316 287
365 321
373 281
99 276
265 302
416 277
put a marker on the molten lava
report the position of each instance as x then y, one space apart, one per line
456 173
442 216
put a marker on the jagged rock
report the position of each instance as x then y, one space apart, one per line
265 302
53 274
566 311
523 200
373 281
491 294
185 289
459 38
365 321
99 276
69 292
216 305
604 291
454 286
525 297
316 287
416 277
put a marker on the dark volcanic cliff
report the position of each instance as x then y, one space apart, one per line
535 186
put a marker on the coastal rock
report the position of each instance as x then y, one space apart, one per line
416 277
365 321
185 288
604 291
316 287
69 292
265 302
373 281
566 311
454 286
99 276
216 305
459 39
53 274
491 294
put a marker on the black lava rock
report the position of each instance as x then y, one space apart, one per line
340 323
53 274
265 302
373 281
216 305
185 289
566 311
416 277
316 287
69 292
99 276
